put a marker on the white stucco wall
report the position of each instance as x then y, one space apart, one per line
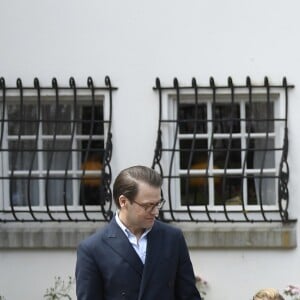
231 274
28 274
134 42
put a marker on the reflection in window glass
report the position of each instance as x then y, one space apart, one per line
192 119
226 118
56 119
260 117
58 191
91 189
57 155
24 192
227 153
192 152
226 164
22 155
48 152
22 121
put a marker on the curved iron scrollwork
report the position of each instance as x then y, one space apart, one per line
283 191
106 171
213 131
53 143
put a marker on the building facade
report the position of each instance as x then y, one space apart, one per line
205 92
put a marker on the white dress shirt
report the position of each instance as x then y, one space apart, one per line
140 246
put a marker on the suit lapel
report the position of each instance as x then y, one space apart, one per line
154 242
119 243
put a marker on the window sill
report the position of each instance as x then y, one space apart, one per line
252 236
198 236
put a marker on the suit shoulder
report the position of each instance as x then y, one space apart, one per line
94 237
169 228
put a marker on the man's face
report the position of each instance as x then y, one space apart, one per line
141 213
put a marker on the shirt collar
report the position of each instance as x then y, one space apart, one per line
125 229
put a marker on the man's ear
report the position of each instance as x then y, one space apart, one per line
122 201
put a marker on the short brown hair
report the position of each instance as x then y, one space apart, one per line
126 182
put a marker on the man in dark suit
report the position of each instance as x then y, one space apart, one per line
135 257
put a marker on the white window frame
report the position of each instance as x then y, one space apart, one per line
48 96
169 112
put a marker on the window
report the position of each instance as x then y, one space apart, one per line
225 150
55 154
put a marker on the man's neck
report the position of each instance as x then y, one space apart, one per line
138 232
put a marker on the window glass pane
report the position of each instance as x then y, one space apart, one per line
22 155
22 189
91 189
229 190
261 153
91 124
91 121
265 191
57 155
57 189
226 118
194 191
199 153
192 118
90 192
23 121
260 117
92 150
251 192
227 153
56 119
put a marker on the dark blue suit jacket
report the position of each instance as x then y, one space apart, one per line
108 267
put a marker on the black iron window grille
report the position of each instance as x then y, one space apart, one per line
55 153
222 151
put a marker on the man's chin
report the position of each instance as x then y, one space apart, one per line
149 223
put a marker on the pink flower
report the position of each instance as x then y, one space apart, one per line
292 290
